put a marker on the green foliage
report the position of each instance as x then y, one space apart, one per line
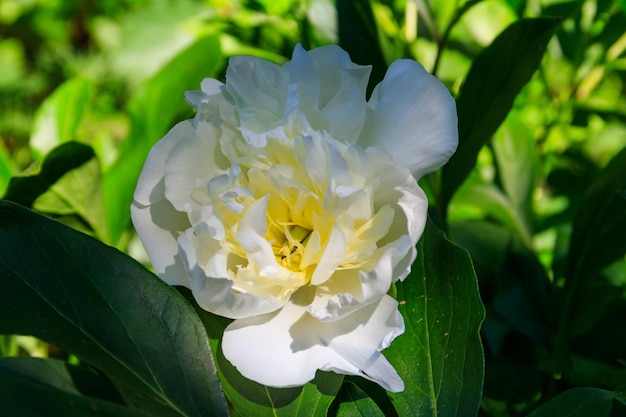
109 311
535 193
441 362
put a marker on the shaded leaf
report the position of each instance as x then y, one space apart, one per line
25 189
57 374
597 237
580 402
358 35
494 80
356 403
440 356
97 303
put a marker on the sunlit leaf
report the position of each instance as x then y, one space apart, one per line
440 356
78 193
59 115
97 303
25 189
495 78
598 235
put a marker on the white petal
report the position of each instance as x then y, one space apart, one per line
215 294
192 162
289 346
341 91
154 168
413 117
332 257
158 227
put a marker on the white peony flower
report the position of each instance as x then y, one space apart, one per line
290 204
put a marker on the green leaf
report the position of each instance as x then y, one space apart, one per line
496 77
153 109
58 374
440 356
493 203
34 387
97 303
356 403
79 193
358 35
515 153
58 117
6 168
581 402
26 189
597 237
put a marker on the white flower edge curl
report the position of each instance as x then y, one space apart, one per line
308 293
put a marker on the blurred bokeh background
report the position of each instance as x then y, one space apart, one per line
112 74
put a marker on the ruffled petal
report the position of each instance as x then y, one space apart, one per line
330 89
159 225
413 117
154 168
215 294
295 345
191 163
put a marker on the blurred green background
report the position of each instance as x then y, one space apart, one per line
541 212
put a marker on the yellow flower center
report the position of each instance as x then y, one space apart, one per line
288 243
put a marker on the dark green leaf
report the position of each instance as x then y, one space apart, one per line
358 35
57 374
40 387
356 403
153 108
579 402
440 356
25 190
495 78
598 234
97 303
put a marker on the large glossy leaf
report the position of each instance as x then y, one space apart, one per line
154 108
97 303
495 78
25 189
59 389
440 356
59 115
583 402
